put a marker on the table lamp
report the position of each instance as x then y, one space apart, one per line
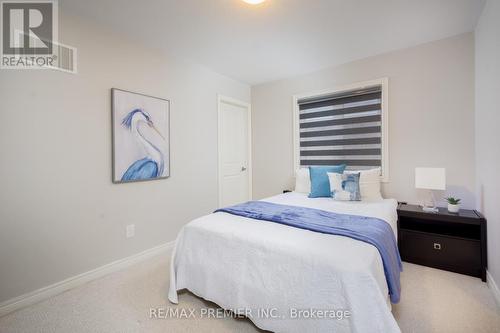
431 179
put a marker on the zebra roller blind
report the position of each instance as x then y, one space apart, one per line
344 128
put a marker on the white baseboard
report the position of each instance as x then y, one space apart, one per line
75 281
494 288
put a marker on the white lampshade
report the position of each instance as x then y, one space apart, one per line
430 178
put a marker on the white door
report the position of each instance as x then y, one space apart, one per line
234 152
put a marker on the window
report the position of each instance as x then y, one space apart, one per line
343 126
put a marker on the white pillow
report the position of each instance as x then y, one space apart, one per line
302 181
369 184
335 180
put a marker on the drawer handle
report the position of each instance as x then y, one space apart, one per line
437 246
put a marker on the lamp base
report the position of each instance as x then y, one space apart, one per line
430 206
428 209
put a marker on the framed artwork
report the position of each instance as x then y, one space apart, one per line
141 137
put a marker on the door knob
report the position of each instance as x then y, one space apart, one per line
243 168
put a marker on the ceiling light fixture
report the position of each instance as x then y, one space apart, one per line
254 2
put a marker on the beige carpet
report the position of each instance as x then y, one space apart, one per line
432 301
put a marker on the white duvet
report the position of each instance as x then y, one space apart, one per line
273 272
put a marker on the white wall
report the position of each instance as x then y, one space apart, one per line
487 132
60 215
431 117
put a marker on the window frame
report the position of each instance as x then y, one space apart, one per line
383 82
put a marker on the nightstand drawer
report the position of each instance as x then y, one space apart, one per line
460 255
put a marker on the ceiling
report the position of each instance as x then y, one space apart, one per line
280 38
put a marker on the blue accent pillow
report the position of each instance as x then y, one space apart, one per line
320 185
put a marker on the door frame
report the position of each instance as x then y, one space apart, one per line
229 100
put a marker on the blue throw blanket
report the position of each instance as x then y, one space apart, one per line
366 229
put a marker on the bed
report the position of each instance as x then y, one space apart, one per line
280 276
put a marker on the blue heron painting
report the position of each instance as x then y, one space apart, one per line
141 150
153 164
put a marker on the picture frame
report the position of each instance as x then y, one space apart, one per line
140 137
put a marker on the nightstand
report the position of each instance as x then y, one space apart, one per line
453 242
